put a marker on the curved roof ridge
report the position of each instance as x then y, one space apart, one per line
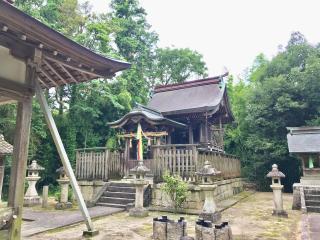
193 83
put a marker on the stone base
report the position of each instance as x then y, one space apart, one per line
62 206
281 213
296 201
90 233
31 201
212 217
138 212
310 180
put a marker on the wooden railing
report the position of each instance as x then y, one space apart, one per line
183 160
98 164
186 160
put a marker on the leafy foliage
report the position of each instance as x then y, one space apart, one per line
176 189
277 94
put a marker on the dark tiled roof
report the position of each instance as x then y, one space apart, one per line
5 148
150 115
304 139
205 95
64 61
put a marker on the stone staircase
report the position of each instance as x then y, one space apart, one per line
118 195
312 198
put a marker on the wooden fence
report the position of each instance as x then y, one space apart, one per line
183 160
186 160
98 164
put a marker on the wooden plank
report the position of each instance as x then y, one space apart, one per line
64 157
178 161
19 165
170 160
174 167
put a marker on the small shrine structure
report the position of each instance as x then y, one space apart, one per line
305 143
182 127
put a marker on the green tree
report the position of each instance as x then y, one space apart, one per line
279 93
176 65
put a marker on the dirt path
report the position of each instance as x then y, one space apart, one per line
250 220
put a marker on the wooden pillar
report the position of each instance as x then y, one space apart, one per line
190 134
2 166
126 157
19 165
203 133
169 139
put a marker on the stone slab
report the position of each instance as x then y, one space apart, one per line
310 226
41 221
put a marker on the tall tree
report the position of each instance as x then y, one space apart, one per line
279 93
174 65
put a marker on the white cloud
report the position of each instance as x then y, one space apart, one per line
229 33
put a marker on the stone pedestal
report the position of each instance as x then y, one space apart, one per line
64 188
296 202
277 201
31 197
165 229
139 210
209 210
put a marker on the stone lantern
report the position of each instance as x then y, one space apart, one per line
64 186
276 186
209 210
139 171
31 197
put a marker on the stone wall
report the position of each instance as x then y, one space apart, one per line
195 199
90 190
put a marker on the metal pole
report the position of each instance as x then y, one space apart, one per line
63 155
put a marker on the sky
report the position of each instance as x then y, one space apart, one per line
229 33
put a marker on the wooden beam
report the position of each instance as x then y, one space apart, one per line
19 164
43 83
63 156
54 71
148 134
69 74
16 88
49 77
80 69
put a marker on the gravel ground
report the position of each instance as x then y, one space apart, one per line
249 219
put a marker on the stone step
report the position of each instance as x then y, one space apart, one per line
121 189
311 203
123 201
311 191
121 184
119 195
313 209
111 205
312 197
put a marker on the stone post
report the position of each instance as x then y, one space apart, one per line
45 190
64 187
209 210
166 229
31 197
276 186
140 170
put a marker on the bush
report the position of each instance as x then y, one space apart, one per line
176 189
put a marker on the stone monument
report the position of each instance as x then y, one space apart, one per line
276 186
31 197
139 182
209 210
64 185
